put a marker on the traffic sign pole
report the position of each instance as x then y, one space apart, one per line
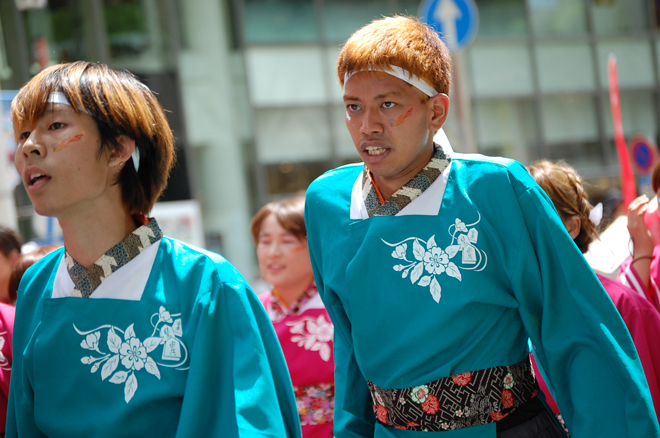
456 21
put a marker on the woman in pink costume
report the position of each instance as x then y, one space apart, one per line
564 187
641 271
294 306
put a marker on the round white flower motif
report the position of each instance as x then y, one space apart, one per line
419 394
314 334
436 260
133 354
508 381
321 329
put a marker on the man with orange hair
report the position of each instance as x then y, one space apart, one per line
437 267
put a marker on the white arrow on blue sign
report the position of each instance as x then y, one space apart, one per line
455 20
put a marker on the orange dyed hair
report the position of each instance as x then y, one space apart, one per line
121 105
401 41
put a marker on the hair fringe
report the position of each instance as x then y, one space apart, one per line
289 212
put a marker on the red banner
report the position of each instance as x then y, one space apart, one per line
628 189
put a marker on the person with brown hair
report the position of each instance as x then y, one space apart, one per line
641 271
295 308
125 332
566 191
10 250
23 262
437 267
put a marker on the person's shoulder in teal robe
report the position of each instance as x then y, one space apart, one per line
195 355
424 295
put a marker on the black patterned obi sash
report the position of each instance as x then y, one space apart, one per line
462 400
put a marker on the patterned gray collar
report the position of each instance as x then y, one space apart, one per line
87 280
409 191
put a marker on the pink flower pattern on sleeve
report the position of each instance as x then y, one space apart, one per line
305 333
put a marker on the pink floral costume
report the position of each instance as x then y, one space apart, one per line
628 276
6 330
305 333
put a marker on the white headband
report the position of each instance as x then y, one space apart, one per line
59 97
404 75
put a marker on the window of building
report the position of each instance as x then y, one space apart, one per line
570 128
506 127
501 18
558 17
634 61
288 177
565 67
57 34
499 70
293 134
638 114
277 21
343 17
620 17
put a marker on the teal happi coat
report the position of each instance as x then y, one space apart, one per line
458 281
190 354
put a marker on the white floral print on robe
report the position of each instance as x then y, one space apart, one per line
132 353
314 334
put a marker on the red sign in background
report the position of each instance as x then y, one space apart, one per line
628 189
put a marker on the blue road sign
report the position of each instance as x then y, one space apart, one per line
644 153
455 20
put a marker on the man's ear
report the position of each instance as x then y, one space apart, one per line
439 106
123 150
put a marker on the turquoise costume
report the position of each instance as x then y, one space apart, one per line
194 354
458 281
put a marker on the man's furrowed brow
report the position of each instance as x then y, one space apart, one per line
382 96
389 94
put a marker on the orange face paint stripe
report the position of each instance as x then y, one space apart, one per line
67 142
401 118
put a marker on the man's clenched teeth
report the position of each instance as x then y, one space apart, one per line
374 150
35 176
